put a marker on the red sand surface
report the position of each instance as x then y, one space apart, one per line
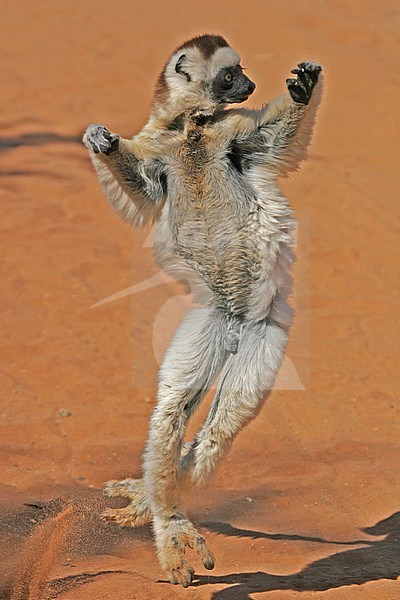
287 512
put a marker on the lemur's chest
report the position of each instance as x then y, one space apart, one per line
209 208
204 186
202 167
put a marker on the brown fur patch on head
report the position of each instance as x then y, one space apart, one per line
207 44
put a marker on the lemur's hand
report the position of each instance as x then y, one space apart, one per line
307 76
99 139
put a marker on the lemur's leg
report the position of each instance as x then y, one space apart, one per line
138 511
245 381
135 190
197 353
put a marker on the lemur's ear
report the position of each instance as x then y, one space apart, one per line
178 67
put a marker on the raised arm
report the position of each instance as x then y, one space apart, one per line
135 188
278 135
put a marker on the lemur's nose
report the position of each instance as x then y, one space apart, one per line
251 87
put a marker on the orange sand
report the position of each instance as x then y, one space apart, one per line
286 508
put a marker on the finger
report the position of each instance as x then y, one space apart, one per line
204 553
106 133
104 146
94 146
297 91
306 80
311 68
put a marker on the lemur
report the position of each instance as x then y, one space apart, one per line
207 176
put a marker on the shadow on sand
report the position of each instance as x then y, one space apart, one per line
37 139
378 560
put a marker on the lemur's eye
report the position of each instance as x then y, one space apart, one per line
228 77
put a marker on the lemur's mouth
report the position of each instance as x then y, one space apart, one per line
237 99
243 94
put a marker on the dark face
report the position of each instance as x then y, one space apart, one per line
231 86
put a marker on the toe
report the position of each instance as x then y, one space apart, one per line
108 514
110 488
205 554
184 575
173 578
118 515
127 488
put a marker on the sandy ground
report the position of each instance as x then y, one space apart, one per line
306 505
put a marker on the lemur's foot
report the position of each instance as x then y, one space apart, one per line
99 139
307 76
137 512
172 537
